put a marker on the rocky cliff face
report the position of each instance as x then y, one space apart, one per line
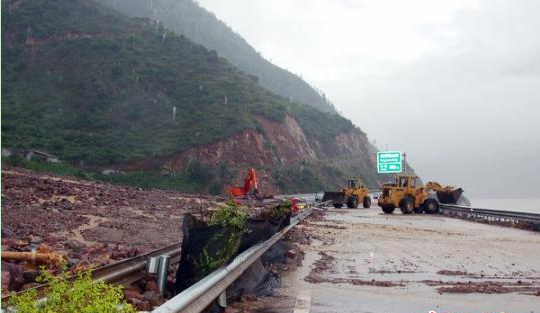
279 143
275 145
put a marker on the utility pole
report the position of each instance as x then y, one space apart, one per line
404 162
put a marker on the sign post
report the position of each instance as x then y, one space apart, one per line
389 162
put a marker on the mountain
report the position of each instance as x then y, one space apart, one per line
104 91
188 18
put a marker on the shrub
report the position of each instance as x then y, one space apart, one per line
65 296
282 210
230 216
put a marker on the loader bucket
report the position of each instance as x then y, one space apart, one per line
449 196
335 196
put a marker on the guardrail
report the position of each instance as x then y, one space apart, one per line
199 296
512 218
122 272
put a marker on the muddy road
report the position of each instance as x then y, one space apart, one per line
365 261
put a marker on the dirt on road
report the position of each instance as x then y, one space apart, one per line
365 261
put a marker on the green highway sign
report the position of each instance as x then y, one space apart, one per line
389 161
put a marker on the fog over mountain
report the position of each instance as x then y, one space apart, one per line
455 84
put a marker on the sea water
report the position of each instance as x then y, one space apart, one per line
531 205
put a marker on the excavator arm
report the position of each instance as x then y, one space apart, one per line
250 185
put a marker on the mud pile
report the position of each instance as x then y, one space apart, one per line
91 223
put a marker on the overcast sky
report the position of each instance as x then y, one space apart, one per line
455 84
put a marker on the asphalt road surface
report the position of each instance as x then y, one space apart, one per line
364 261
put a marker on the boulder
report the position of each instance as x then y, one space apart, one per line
15 280
75 245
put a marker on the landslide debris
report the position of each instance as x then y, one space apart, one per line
91 223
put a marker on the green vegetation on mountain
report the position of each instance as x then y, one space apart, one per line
188 18
88 85
96 88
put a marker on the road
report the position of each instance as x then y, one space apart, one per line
364 261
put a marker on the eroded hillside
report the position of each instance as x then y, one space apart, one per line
103 91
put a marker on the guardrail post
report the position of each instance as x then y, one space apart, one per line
163 272
152 265
222 299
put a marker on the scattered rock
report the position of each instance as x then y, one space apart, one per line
75 245
128 221
152 286
153 297
291 254
6 279
30 276
452 273
65 204
8 243
130 294
15 278
7 233
36 240
141 305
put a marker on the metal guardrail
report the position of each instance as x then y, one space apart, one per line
489 215
199 296
122 272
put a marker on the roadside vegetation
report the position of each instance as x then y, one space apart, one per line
299 177
197 178
80 295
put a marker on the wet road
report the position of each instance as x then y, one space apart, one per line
364 261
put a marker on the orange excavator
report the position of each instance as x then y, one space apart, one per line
250 186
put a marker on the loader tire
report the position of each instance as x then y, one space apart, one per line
407 205
431 206
338 205
367 202
388 209
352 202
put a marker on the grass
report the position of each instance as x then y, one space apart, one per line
197 178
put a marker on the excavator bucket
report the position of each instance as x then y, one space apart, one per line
449 196
335 196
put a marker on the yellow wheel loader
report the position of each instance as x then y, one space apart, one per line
409 197
352 195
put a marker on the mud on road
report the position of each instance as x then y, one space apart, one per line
364 261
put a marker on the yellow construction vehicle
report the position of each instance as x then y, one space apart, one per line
406 194
352 195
